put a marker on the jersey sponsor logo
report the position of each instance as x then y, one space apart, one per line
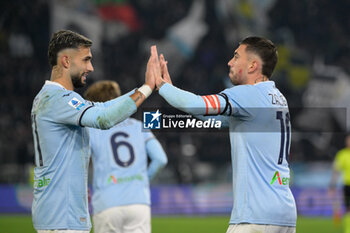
75 103
212 104
42 182
120 180
283 181
151 120
112 178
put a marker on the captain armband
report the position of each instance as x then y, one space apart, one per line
212 104
227 105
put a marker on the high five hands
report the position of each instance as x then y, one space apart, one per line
157 70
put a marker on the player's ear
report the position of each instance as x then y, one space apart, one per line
253 66
63 60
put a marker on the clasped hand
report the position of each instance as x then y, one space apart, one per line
157 70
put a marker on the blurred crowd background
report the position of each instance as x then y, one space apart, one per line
198 38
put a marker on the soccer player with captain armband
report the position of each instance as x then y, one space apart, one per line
257 115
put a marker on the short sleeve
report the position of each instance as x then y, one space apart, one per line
68 107
243 100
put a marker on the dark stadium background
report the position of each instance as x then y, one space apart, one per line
198 39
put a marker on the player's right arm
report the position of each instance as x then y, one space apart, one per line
101 117
106 117
158 158
116 100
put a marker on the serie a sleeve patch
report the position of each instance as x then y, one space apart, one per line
75 103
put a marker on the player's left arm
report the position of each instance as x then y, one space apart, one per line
157 156
188 102
195 104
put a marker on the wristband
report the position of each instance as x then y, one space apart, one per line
145 90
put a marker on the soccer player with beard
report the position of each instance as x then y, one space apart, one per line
59 117
257 115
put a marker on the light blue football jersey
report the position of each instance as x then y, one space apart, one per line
120 172
61 158
260 134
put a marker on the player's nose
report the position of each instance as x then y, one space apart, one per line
230 63
90 67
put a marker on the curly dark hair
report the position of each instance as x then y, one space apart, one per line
64 39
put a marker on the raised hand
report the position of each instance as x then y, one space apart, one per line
164 70
153 70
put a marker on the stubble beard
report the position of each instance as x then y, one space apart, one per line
233 79
77 81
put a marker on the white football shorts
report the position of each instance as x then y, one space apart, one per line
62 231
123 219
252 228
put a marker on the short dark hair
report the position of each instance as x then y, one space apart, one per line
265 49
64 39
102 91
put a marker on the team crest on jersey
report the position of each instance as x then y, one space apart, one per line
152 120
75 103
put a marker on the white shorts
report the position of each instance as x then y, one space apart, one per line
252 228
62 231
123 219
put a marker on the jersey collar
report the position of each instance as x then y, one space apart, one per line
48 82
266 82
